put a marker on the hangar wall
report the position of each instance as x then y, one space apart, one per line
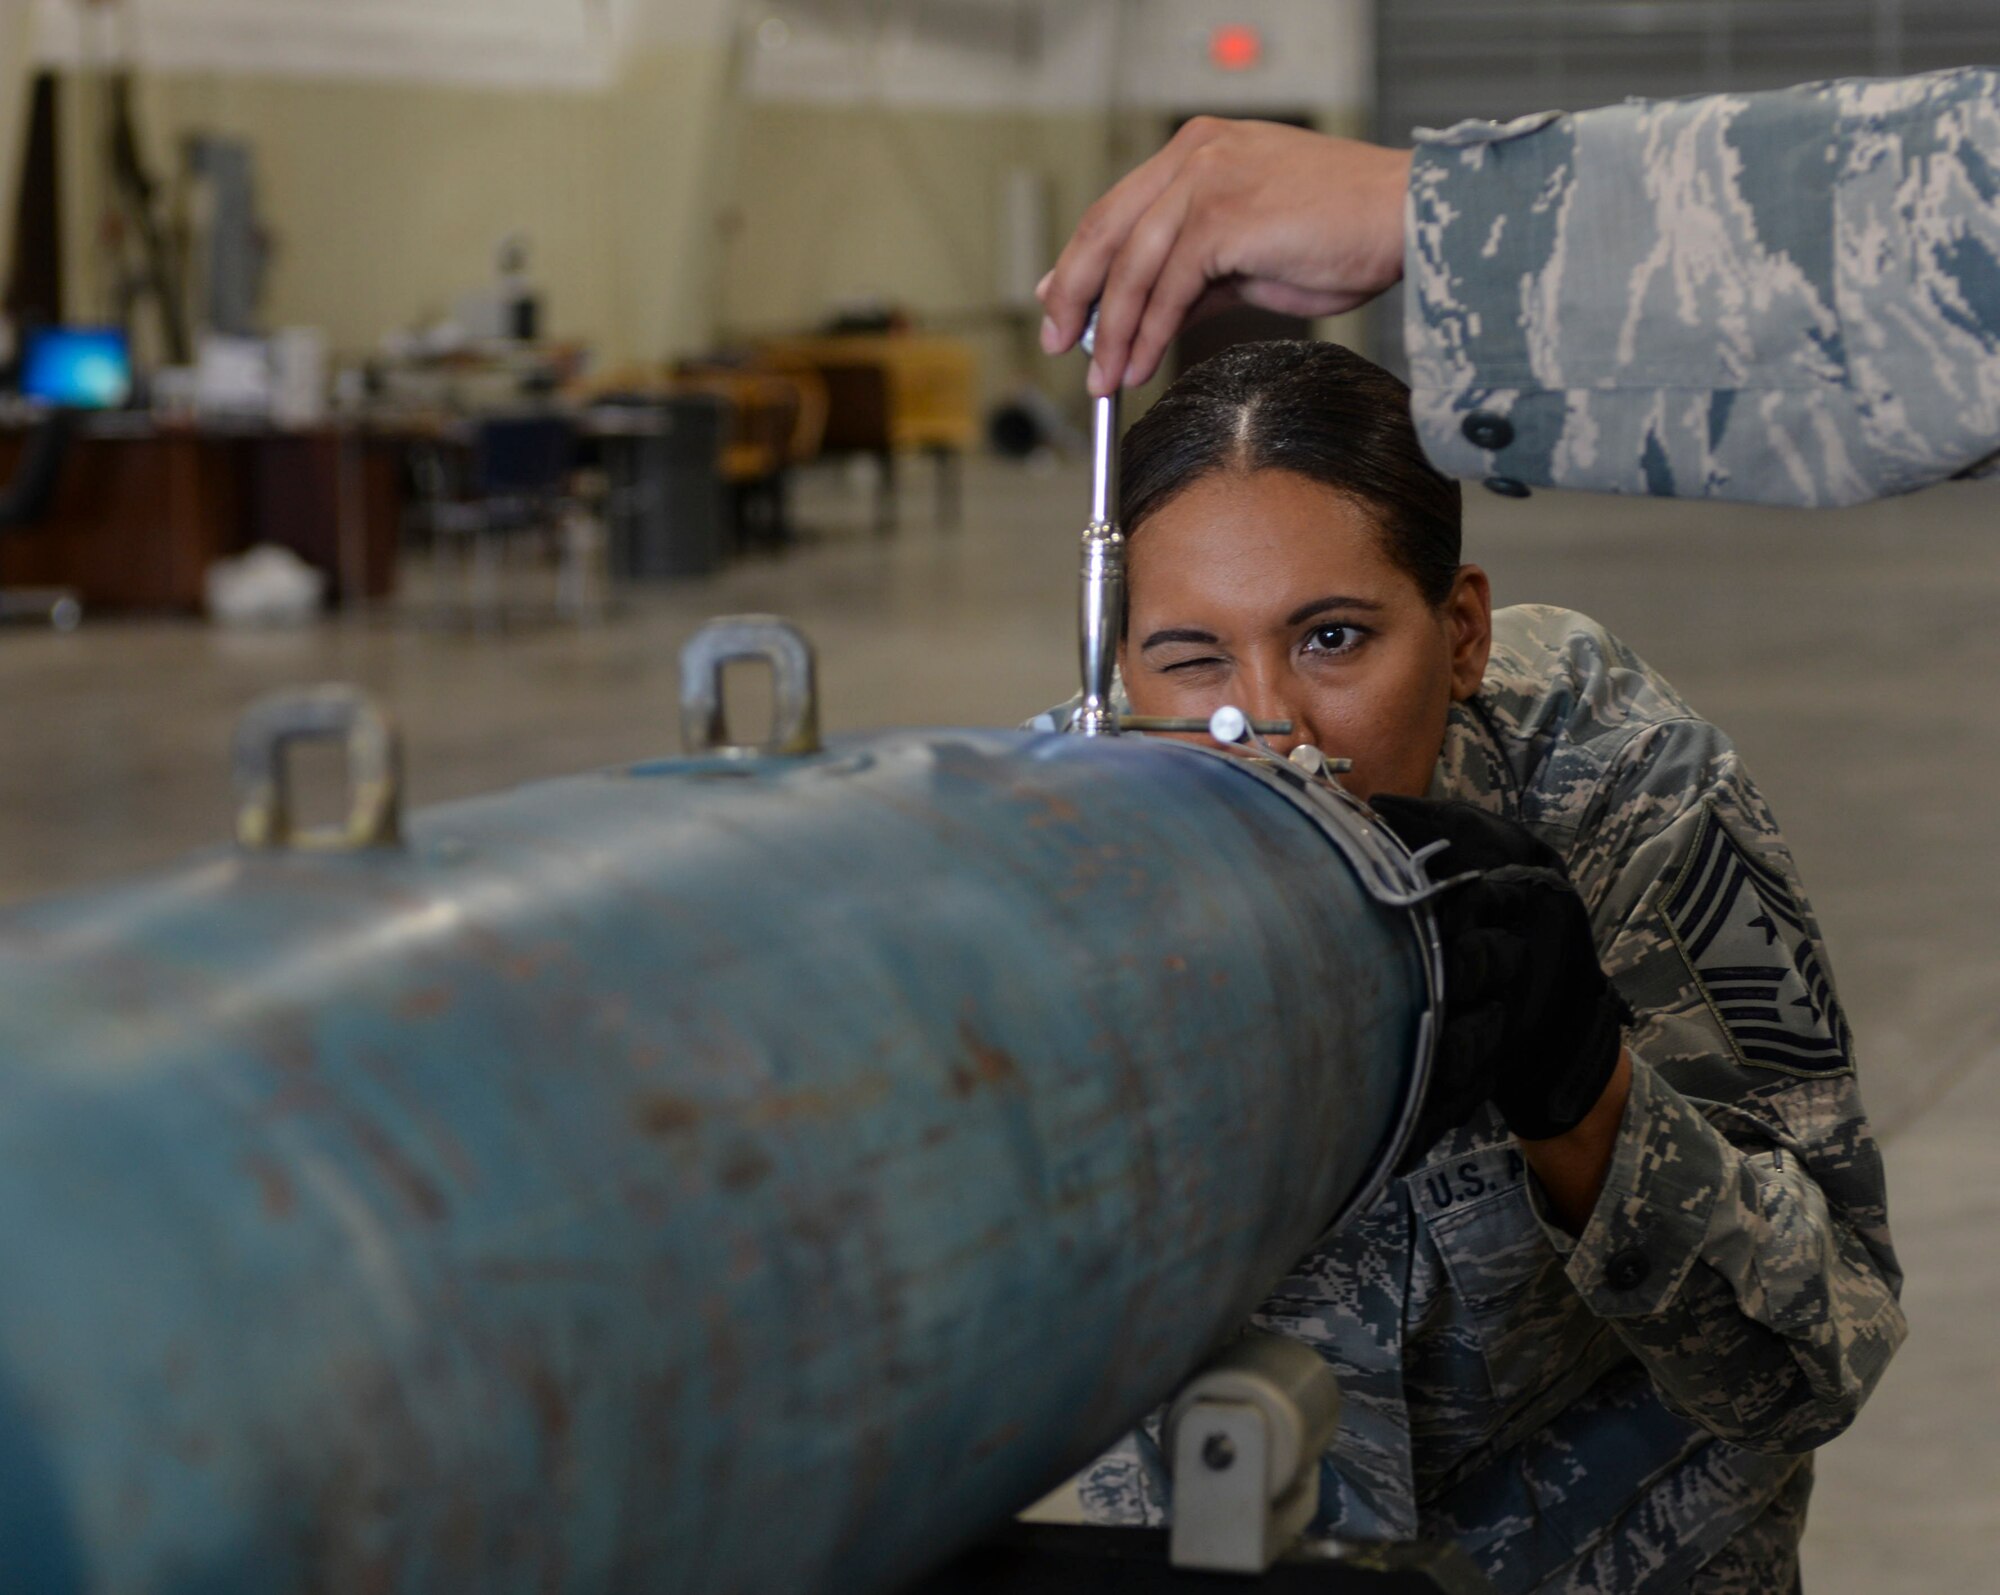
385 199
682 180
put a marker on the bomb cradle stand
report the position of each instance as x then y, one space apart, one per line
1243 1440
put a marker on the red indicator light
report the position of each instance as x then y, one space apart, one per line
1236 47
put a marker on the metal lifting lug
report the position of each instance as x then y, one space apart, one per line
794 676
266 734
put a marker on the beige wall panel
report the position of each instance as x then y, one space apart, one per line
661 208
386 199
669 131
387 203
831 202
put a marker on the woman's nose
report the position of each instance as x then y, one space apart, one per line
1273 705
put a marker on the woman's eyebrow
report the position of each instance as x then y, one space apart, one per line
1320 606
1178 634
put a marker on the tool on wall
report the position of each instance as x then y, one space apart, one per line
147 272
139 266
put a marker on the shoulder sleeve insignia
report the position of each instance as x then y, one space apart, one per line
1743 936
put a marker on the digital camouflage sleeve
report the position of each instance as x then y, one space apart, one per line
1788 298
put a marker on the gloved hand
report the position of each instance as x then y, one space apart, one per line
1531 1023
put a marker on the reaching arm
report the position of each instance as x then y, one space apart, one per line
1789 298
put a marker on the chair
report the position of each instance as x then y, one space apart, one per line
936 386
519 482
892 395
857 423
24 502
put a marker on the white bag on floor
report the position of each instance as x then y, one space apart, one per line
268 586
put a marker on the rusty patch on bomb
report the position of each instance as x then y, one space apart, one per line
399 1172
745 1168
428 1002
660 1114
275 1193
550 1401
1051 810
987 1066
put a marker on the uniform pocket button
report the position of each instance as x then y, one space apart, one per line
1506 487
1485 430
1627 1270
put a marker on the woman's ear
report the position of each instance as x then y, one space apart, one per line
1468 618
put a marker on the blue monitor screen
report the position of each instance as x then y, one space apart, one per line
85 368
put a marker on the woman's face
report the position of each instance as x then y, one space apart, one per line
1271 592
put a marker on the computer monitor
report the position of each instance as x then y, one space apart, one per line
81 368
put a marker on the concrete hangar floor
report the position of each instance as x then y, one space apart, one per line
1854 657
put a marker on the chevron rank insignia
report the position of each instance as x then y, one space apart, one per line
1744 938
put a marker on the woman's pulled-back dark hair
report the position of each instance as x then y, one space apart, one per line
1315 409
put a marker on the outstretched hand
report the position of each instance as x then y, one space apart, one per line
1227 212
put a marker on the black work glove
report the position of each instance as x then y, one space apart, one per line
1531 1023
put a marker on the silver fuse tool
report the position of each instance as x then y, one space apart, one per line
1101 604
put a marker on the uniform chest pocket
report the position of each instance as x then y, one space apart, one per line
1510 1293
1476 1210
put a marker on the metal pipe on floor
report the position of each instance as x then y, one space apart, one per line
732 1173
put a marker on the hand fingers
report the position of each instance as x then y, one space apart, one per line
1131 284
1471 1039
1078 280
1479 840
1462 1075
1496 842
1182 289
1518 892
1483 964
1412 820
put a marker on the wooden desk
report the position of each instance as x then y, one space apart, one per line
141 511
333 496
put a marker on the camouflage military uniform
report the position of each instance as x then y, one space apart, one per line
1790 298
1627 1411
